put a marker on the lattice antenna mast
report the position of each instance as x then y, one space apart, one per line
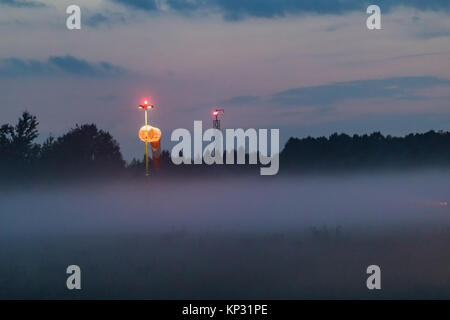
216 121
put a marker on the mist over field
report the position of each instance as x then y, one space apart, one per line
354 96
305 236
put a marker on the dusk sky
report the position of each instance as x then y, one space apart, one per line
307 67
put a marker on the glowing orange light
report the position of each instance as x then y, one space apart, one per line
150 134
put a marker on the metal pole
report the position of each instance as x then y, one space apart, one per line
146 146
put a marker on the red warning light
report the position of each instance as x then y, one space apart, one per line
215 113
146 105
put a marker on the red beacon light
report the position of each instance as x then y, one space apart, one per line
146 105
216 121
217 112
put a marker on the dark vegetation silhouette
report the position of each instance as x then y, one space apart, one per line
18 151
83 151
341 151
86 151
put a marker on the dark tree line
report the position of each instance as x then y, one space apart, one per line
341 151
83 150
86 150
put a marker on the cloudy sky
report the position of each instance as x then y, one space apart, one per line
307 67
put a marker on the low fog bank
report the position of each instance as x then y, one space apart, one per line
230 238
228 204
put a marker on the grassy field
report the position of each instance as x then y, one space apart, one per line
299 238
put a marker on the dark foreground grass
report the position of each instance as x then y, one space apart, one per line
307 264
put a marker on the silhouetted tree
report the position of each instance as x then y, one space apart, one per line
17 146
83 149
